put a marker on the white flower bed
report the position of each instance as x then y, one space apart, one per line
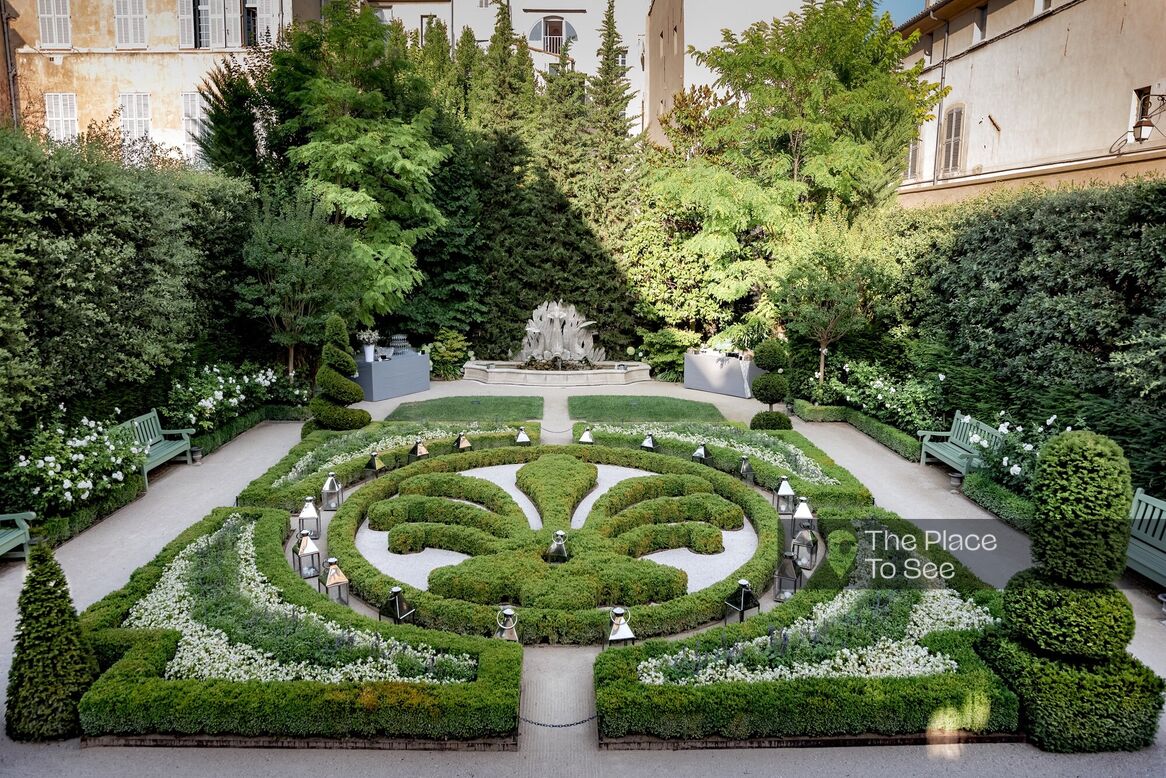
776 452
206 653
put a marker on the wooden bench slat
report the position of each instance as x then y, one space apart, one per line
1147 550
958 450
147 429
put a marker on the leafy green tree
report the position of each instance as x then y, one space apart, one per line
335 389
300 271
229 143
50 667
770 388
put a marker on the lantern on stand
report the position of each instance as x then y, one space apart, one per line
788 577
332 495
336 583
522 439
803 514
649 443
507 622
306 556
741 600
557 552
462 444
621 633
746 471
396 608
805 547
374 465
701 454
587 437
309 518
783 498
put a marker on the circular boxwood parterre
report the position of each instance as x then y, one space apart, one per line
558 604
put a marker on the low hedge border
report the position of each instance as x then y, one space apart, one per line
848 492
55 530
972 699
217 438
1008 506
902 443
540 625
132 696
261 494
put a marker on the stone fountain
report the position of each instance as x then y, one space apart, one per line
558 350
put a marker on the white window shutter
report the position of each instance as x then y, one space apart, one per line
266 21
218 25
233 10
121 22
185 24
69 109
64 32
138 22
48 22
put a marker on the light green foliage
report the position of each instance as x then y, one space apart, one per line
664 350
609 408
448 353
481 409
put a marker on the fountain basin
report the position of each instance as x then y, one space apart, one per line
512 373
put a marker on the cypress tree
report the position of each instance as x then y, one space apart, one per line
610 94
467 69
50 668
562 137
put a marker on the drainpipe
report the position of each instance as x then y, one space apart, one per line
939 111
9 64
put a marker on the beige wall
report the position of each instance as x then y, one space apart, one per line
1046 92
664 69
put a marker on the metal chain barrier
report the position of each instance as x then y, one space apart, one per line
592 717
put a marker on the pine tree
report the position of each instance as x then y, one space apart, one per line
563 118
50 667
435 65
610 94
467 70
506 94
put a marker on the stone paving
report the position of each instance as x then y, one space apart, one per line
557 681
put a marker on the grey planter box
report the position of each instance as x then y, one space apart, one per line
401 374
712 371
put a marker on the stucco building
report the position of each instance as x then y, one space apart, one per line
1043 91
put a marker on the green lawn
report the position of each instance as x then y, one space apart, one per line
470 409
599 407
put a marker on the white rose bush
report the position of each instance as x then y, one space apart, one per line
212 396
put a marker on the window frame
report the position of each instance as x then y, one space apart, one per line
50 17
141 123
980 25
61 100
948 166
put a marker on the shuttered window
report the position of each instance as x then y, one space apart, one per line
193 123
267 21
914 152
953 139
135 114
61 115
55 32
130 23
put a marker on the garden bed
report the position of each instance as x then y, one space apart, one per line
905 445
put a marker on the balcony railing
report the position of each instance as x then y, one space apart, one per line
552 44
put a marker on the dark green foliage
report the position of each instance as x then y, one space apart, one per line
772 355
902 443
1082 495
387 514
609 408
1010 507
709 508
699 537
770 420
664 350
228 142
770 388
1073 622
50 667
335 389
1108 706
556 483
55 530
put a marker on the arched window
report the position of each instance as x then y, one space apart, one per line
550 33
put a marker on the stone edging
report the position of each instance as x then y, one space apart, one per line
646 743
239 741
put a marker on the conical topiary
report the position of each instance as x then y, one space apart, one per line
50 667
1066 625
335 390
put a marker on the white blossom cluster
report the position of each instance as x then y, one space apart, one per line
218 393
207 653
754 445
943 609
314 461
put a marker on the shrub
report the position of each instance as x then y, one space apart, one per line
906 445
699 537
772 355
210 398
556 483
336 390
1008 506
448 353
50 668
1090 623
664 350
1107 706
770 388
770 420
908 404
807 411
1082 495
710 508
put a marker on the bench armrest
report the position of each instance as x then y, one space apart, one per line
20 519
927 434
186 433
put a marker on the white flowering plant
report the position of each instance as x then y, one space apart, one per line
911 403
69 466
368 337
208 397
1014 461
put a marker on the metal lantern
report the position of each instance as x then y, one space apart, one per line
741 600
747 471
1143 128
621 632
336 583
396 608
419 451
701 454
374 465
306 556
783 498
587 437
788 576
462 444
805 547
803 513
557 553
649 443
507 622
310 518
332 495
522 439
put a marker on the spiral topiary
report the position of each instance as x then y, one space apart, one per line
770 388
334 389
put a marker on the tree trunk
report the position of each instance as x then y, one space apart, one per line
291 359
821 363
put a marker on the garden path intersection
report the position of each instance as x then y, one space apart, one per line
557 681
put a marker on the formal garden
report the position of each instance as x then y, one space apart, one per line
367 203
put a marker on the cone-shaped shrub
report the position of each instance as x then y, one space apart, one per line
335 389
50 667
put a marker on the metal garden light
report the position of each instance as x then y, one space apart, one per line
306 556
649 443
783 498
557 553
803 513
419 451
789 577
310 518
462 444
805 547
374 465
507 622
741 600
747 471
396 608
621 632
522 439
336 583
332 495
701 454
587 437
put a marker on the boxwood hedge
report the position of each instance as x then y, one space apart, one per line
134 697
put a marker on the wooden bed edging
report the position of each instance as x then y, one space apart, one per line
648 743
238 741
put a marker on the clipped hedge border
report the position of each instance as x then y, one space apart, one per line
217 438
132 696
848 492
55 530
902 443
537 625
809 707
261 494
1008 506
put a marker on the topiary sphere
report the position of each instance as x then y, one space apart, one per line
1082 495
770 388
770 420
772 354
1087 622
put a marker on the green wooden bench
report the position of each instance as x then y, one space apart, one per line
963 445
1147 550
147 428
14 531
